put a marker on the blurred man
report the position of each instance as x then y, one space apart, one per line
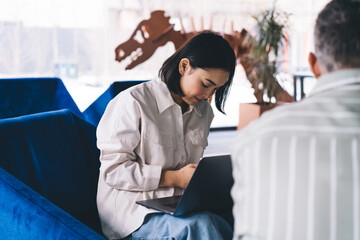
296 169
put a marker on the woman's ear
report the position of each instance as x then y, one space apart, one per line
314 65
184 65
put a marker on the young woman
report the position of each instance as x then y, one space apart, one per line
151 138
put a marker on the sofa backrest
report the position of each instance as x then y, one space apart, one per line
95 111
55 153
21 96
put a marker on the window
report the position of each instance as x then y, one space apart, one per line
75 40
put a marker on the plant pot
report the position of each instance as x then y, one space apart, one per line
251 111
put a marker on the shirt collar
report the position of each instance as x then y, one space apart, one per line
196 108
165 101
335 80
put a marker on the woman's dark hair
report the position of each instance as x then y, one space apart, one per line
205 50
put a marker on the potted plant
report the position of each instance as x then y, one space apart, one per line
262 63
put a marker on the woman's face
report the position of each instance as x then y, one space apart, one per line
199 84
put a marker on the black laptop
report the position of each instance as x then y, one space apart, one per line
208 190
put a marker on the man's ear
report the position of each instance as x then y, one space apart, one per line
184 65
314 65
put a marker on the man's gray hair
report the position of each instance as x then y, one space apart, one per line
337 35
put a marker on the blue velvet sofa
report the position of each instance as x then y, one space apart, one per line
49 161
48 177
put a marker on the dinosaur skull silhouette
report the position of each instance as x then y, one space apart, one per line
156 31
147 37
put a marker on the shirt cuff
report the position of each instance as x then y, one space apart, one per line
153 175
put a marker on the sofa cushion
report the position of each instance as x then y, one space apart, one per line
25 214
55 153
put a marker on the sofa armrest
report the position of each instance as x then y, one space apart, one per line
25 214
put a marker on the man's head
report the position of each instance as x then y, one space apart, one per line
337 37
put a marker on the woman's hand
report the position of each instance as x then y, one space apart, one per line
184 175
178 178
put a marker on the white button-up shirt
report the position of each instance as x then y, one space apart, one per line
141 133
296 169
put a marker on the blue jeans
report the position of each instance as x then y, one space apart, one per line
196 226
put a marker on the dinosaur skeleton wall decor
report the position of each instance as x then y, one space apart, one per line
156 31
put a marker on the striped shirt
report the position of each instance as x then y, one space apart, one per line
296 169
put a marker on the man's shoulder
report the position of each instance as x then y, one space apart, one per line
279 115
277 121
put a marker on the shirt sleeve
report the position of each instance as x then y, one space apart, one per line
118 135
